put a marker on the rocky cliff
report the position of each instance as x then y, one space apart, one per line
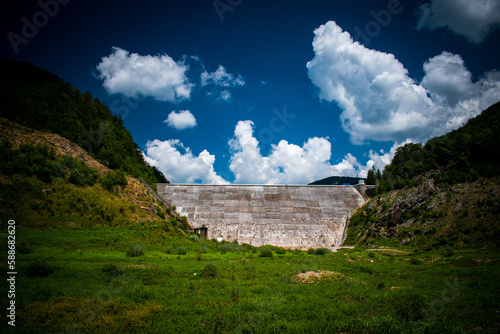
432 215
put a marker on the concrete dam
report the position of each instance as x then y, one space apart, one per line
285 216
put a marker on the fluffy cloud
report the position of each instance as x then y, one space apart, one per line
181 120
381 159
454 94
381 102
182 167
286 163
472 19
221 78
134 75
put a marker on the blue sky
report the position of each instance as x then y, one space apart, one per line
283 92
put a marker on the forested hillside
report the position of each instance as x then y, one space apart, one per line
445 193
459 156
40 100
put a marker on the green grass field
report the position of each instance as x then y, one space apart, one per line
82 281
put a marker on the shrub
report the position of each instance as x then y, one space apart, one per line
112 179
448 252
266 252
209 271
414 261
372 255
39 268
322 251
135 250
181 250
280 251
203 249
112 269
194 237
311 251
83 176
365 269
225 247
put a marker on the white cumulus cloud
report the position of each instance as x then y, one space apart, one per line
134 75
178 163
472 19
287 163
379 100
184 119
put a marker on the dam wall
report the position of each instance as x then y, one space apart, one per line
285 216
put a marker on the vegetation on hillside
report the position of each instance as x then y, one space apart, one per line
460 156
40 100
444 194
48 182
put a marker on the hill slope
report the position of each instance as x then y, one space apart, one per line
443 193
48 181
40 100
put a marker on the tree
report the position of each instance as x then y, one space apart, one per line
371 177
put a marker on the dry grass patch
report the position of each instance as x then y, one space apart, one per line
315 277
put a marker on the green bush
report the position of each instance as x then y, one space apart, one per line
280 251
181 250
266 252
311 251
135 250
322 251
112 179
225 247
414 261
210 271
112 269
83 176
39 268
448 252
372 255
203 249
30 160
194 237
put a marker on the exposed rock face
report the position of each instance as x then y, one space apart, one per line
286 216
432 214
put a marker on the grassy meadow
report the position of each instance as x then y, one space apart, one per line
140 279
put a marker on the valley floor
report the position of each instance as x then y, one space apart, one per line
81 280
